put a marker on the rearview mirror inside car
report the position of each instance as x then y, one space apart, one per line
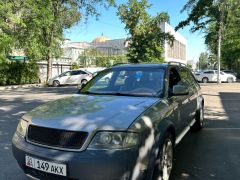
180 90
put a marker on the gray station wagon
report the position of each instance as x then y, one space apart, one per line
120 129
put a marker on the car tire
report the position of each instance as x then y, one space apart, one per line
84 81
164 161
205 80
199 117
56 83
230 80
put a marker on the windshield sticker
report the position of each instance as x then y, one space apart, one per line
138 75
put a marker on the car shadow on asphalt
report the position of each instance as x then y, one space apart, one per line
212 153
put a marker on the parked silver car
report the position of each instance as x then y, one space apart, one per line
124 128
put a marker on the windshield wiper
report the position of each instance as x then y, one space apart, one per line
116 94
95 93
133 95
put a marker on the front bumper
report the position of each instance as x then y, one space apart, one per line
88 164
50 82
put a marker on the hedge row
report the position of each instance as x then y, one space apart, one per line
14 73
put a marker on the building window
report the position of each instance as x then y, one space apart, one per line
177 51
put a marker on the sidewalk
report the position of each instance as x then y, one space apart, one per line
12 87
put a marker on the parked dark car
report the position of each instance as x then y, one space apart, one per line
124 128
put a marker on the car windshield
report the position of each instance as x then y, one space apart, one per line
127 82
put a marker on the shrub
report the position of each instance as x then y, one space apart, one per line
14 73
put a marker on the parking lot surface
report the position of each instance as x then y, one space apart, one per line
13 104
212 153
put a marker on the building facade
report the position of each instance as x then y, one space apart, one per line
178 50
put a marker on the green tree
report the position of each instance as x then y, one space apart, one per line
231 43
43 24
219 21
9 19
146 38
203 61
203 13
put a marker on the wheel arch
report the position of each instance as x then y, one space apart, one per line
164 128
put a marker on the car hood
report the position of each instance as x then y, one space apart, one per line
90 112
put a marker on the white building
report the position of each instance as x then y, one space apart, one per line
72 51
177 52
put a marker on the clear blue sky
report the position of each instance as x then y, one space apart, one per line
110 25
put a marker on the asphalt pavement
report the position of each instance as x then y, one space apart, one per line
13 104
212 153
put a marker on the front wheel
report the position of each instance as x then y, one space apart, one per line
205 80
84 81
230 80
164 162
56 83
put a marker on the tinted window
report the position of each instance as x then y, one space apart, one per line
73 73
188 79
65 74
184 75
174 79
209 72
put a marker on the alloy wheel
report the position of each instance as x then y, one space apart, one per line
205 80
56 83
167 159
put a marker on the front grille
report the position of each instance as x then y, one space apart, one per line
43 175
56 137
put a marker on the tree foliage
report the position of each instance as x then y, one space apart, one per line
211 16
231 44
207 61
44 22
203 61
37 26
146 38
9 19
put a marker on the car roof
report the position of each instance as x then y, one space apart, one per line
164 65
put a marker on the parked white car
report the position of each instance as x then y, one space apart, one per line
211 76
71 78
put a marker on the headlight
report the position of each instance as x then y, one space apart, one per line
22 127
114 140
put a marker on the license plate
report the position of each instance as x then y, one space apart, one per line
46 166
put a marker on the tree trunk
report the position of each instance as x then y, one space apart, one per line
219 54
49 67
220 35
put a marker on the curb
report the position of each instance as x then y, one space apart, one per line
14 87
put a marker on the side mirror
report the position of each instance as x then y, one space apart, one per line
180 90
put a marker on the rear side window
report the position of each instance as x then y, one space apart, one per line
187 78
209 72
73 73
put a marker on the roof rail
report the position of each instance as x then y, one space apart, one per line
175 62
119 64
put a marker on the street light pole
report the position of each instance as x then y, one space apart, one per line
219 54
220 35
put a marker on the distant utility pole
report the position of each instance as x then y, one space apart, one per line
219 54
